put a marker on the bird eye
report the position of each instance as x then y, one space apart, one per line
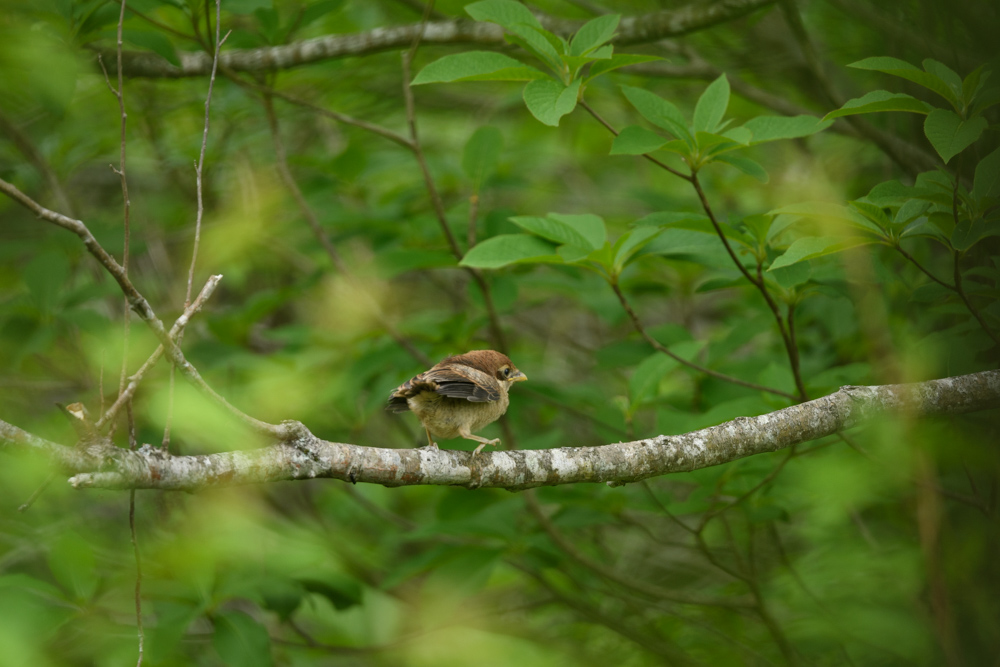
506 372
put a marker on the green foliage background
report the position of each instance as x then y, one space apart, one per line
878 553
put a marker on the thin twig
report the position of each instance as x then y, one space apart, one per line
436 202
968 304
757 282
920 266
324 239
140 305
612 130
644 587
473 215
383 132
120 95
201 156
175 332
659 347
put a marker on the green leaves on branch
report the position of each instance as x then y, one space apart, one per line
549 100
580 240
706 139
477 66
549 95
949 134
950 131
880 100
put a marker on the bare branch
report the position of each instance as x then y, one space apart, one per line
101 465
175 332
138 303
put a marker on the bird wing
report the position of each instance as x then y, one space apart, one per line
452 380
461 381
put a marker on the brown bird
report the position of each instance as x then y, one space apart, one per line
459 395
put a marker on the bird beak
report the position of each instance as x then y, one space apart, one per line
518 377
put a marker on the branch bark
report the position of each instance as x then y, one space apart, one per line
632 30
101 465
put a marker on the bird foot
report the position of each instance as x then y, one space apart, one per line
433 445
494 442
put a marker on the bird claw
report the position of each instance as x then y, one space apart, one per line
433 445
494 442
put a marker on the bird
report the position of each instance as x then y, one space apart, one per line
461 394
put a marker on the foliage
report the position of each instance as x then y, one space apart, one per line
778 246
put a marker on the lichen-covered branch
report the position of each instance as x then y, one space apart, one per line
632 30
304 456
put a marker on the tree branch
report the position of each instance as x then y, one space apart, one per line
138 303
101 465
632 30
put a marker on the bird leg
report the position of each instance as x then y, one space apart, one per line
482 441
430 442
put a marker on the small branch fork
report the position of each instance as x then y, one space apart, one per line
101 465
141 307
787 336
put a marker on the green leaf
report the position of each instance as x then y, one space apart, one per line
706 140
926 228
506 13
746 165
571 254
616 61
986 98
537 42
659 112
240 640
505 249
792 275
696 223
342 591
970 232
872 212
910 211
477 66
945 74
880 100
811 247
826 211
646 378
905 70
758 226
549 100
635 140
590 226
156 42
554 230
317 11
949 134
973 83
593 34
711 106
986 182
740 135
773 128
631 242
482 153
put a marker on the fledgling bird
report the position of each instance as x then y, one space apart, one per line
460 395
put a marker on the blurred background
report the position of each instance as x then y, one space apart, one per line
877 551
